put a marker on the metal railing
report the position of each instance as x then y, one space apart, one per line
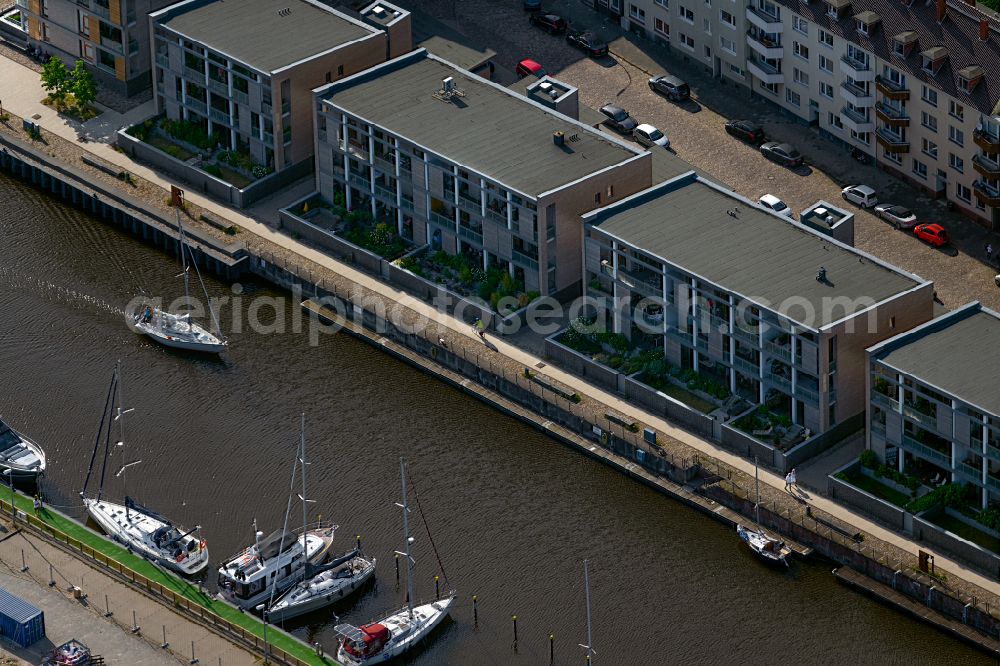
855 64
883 400
386 192
241 97
891 112
807 393
970 472
471 234
855 115
921 418
218 86
442 221
499 218
469 205
220 116
749 367
384 165
406 204
268 139
913 446
360 182
103 12
784 353
197 105
163 60
781 382
112 44
193 73
762 15
524 260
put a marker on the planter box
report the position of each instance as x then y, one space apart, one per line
887 512
972 522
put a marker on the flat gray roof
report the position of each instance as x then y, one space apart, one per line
488 129
753 253
955 353
255 33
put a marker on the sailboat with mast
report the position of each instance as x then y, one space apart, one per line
142 530
322 585
401 630
176 329
256 575
769 549
589 647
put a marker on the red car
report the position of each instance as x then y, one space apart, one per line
932 234
528 67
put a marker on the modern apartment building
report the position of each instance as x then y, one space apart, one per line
771 309
112 36
245 70
468 166
934 408
915 84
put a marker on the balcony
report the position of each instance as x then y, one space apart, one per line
778 351
265 108
989 195
470 205
992 482
220 87
808 394
992 452
892 141
220 116
764 71
970 472
746 367
197 105
386 193
112 45
926 452
360 182
195 74
385 165
241 97
749 337
783 383
495 216
884 401
921 418
524 260
406 204
856 120
765 46
163 60
986 168
891 116
442 221
103 12
856 69
990 143
355 149
471 235
856 95
891 89
268 139
763 20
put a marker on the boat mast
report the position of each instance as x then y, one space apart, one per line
406 539
184 269
302 463
756 481
586 584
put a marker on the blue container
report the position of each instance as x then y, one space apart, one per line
20 622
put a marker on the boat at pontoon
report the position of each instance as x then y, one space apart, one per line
24 458
323 586
766 547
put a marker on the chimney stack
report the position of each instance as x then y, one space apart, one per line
984 29
941 8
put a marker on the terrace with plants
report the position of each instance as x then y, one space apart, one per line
771 424
189 142
358 226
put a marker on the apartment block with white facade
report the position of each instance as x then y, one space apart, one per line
467 166
914 84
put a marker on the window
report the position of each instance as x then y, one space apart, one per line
706 25
340 70
928 121
956 162
862 27
861 137
956 136
105 59
929 148
661 27
727 45
967 85
727 18
956 110
83 23
636 14
800 77
963 192
929 95
825 63
826 90
859 56
899 49
687 14
895 158
800 24
597 198
800 50
708 53
738 71
88 53
920 169
793 97
835 120
832 11
769 87
663 3
687 41
826 38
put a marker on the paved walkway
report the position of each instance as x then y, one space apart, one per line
111 637
24 83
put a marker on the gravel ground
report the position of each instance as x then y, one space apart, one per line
696 131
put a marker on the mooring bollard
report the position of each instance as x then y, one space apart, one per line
135 624
24 565
397 568
107 607
164 644
552 649
437 589
52 579
514 620
194 659
475 611
357 540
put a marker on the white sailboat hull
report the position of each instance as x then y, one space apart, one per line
135 530
24 458
318 593
177 331
770 550
405 632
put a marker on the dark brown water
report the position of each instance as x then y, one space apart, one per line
512 513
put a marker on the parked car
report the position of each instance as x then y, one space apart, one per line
932 234
670 86
745 130
898 216
528 67
533 5
649 136
861 195
589 43
551 23
777 205
782 153
618 119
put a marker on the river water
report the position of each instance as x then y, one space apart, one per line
511 512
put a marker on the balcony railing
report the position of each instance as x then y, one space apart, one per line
470 205
360 182
269 139
386 192
192 73
855 64
266 108
783 383
747 367
750 337
810 394
163 60
241 97
986 193
197 105
891 114
220 116
355 149
524 260
103 12
442 221
406 204
855 115
113 44
971 472
891 89
385 165
859 94
913 446
992 452
218 86
770 19
882 400
919 417
471 234
878 428
992 482
499 218
783 353
990 143
891 141
986 167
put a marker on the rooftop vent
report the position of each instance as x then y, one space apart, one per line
379 10
285 11
448 90
554 93
559 138
735 212
821 275
448 84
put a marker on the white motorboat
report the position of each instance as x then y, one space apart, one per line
142 530
173 329
323 586
24 458
768 548
150 535
401 630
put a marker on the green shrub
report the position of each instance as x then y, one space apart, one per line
173 151
212 169
615 362
869 459
259 171
990 517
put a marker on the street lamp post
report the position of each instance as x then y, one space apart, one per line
263 613
10 480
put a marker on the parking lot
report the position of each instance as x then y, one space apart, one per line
696 132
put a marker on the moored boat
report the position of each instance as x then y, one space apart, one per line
323 586
24 458
764 546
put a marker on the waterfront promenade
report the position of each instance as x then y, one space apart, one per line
22 97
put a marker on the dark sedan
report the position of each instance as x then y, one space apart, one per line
589 43
745 130
782 153
551 23
618 119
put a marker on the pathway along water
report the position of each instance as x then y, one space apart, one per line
512 512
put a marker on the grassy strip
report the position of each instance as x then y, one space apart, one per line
179 586
874 487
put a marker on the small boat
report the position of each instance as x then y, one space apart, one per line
397 632
141 529
24 458
177 330
764 546
323 586
151 535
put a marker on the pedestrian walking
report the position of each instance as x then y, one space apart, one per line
788 482
480 329
989 252
792 478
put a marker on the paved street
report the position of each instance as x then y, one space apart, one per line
696 133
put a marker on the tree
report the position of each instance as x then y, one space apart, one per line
55 79
83 86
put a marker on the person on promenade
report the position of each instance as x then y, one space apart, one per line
788 482
989 252
792 480
480 329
